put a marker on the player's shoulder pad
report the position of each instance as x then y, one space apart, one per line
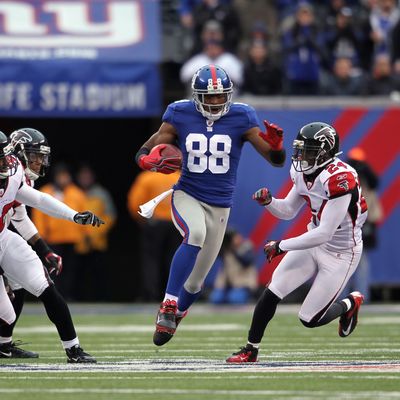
242 106
178 106
340 183
179 103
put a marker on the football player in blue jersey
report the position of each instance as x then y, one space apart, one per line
210 130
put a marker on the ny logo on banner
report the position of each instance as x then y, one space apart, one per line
69 23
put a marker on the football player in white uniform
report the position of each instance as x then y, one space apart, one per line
329 251
32 149
21 264
7 313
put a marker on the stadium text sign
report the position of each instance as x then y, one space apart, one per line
74 97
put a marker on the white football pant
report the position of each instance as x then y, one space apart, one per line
7 312
21 265
331 270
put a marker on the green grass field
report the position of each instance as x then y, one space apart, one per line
295 362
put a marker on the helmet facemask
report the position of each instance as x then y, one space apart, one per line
8 163
212 81
308 158
35 160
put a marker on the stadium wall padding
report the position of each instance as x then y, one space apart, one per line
376 130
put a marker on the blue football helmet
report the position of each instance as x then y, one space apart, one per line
212 80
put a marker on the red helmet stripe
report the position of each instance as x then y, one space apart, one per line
213 71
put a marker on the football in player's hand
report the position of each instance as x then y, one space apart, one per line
170 153
166 158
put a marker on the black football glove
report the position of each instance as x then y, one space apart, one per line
87 218
51 260
271 249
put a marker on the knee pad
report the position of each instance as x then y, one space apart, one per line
192 287
197 237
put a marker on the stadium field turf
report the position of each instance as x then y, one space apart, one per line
295 362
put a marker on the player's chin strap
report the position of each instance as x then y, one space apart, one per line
147 209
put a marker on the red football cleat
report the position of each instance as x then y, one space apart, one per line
244 355
165 322
179 318
348 321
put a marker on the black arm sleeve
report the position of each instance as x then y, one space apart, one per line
278 157
141 151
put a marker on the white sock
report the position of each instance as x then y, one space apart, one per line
179 313
67 344
5 339
170 297
348 304
255 345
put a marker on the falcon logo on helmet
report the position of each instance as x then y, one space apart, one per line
327 135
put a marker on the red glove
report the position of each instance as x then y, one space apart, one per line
271 249
51 260
273 135
53 263
262 196
154 161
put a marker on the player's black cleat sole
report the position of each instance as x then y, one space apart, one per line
160 338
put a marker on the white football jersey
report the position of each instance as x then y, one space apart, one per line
7 196
337 179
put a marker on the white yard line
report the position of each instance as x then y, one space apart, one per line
132 328
298 376
207 366
297 393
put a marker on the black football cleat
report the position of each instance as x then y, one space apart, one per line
247 354
348 321
10 350
76 355
165 322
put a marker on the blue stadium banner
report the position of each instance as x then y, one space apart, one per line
74 58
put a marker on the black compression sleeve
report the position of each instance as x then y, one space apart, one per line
278 157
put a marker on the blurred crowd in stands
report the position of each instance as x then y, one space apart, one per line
289 47
83 250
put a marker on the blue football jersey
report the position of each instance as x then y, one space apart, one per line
211 149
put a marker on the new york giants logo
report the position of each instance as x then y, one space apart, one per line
51 23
